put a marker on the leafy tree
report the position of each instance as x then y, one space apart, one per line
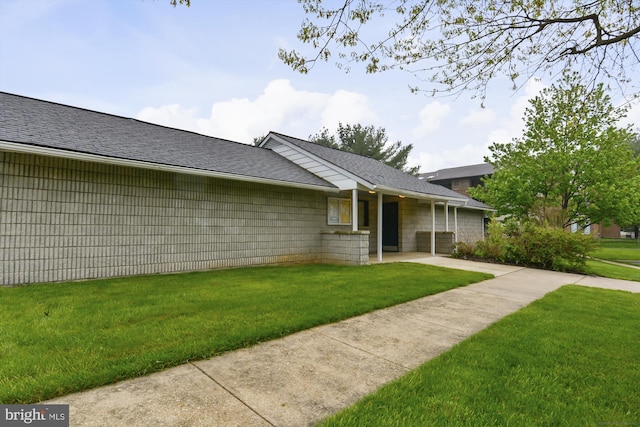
635 146
367 141
258 139
463 44
572 166
635 143
326 138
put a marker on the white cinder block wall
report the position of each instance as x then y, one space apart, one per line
63 219
470 225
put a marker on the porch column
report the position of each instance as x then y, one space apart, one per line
433 228
354 209
446 216
455 223
379 243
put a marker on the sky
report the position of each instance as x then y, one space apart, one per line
213 68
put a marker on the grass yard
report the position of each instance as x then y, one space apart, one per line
613 271
570 358
65 337
620 250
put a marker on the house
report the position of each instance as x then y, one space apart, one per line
85 194
461 178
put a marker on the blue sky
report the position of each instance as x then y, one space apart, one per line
213 69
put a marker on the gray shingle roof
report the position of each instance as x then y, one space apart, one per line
481 169
473 203
376 172
46 124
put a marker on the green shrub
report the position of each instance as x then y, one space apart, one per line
493 246
463 250
535 246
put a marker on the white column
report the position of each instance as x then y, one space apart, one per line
455 223
379 248
354 209
446 216
433 228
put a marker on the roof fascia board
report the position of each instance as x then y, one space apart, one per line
54 152
416 195
478 208
357 179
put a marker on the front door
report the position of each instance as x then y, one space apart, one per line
390 227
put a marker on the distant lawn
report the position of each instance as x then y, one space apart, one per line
621 250
613 271
569 359
66 337
618 250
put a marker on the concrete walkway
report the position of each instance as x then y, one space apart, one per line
301 379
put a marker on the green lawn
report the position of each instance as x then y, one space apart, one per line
613 271
569 359
620 250
66 337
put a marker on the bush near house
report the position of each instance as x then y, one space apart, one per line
531 245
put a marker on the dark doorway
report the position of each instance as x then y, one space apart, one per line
390 227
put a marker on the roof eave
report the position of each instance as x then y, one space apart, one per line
76 155
418 195
479 208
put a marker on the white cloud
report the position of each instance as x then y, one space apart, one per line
279 108
430 118
468 154
512 126
467 141
479 117
347 108
170 115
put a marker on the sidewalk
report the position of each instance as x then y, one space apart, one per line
302 378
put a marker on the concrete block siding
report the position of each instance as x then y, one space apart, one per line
64 219
351 248
470 225
444 241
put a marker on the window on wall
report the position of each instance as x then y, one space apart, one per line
338 211
363 213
